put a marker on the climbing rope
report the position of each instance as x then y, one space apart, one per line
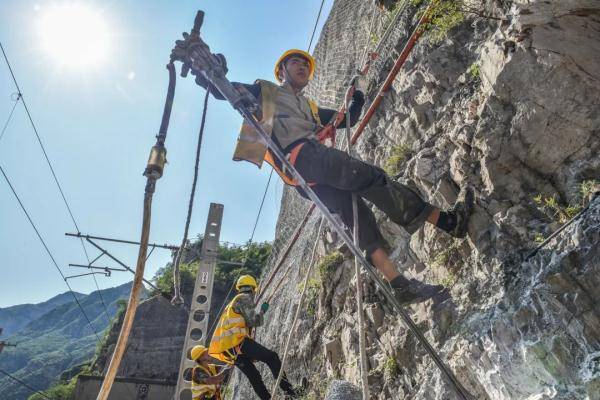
362 340
297 314
177 298
263 288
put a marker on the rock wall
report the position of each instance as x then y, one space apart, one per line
509 103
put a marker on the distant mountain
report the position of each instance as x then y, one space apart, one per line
16 317
52 337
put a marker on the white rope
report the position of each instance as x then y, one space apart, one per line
362 340
296 316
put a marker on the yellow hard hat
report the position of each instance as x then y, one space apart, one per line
245 280
197 352
302 53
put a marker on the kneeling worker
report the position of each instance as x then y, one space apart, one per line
232 344
207 376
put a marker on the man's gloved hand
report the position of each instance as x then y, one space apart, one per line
201 80
264 307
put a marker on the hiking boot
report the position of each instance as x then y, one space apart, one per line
461 211
410 291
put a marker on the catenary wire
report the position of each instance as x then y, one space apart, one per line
60 189
37 232
25 384
10 115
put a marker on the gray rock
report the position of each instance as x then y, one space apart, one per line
343 390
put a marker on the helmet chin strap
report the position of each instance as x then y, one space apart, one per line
287 77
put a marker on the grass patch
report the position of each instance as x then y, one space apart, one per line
539 238
449 280
555 210
398 155
587 188
329 263
325 267
391 369
474 70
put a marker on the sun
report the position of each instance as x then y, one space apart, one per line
74 35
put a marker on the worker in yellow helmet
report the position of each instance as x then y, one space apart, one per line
301 130
232 344
207 375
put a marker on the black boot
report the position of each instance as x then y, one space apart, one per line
408 291
461 211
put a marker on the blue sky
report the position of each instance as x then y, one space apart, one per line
98 124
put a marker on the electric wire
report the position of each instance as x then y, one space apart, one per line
316 24
10 115
60 189
37 232
24 384
261 206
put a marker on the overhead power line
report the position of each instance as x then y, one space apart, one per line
261 205
58 185
10 115
37 232
24 384
316 24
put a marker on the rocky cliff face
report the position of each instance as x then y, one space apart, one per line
507 102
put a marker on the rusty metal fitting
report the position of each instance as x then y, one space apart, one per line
156 162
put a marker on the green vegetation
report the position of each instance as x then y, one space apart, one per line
539 238
449 258
445 15
64 389
398 154
60 391
254 256
325 267
564 212
474 70
558 212
449 280
329 263
586 188
391 369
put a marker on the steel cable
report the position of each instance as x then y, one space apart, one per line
60 189
37 232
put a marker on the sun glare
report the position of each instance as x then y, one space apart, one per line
74 35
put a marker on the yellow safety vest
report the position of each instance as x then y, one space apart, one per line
230 332
250 146
200 389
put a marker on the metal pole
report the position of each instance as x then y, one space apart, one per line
160 246
197 327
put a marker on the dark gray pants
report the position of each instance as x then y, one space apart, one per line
337 176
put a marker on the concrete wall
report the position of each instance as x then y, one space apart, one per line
124 388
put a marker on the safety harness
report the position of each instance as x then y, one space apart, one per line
229 334
251 148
